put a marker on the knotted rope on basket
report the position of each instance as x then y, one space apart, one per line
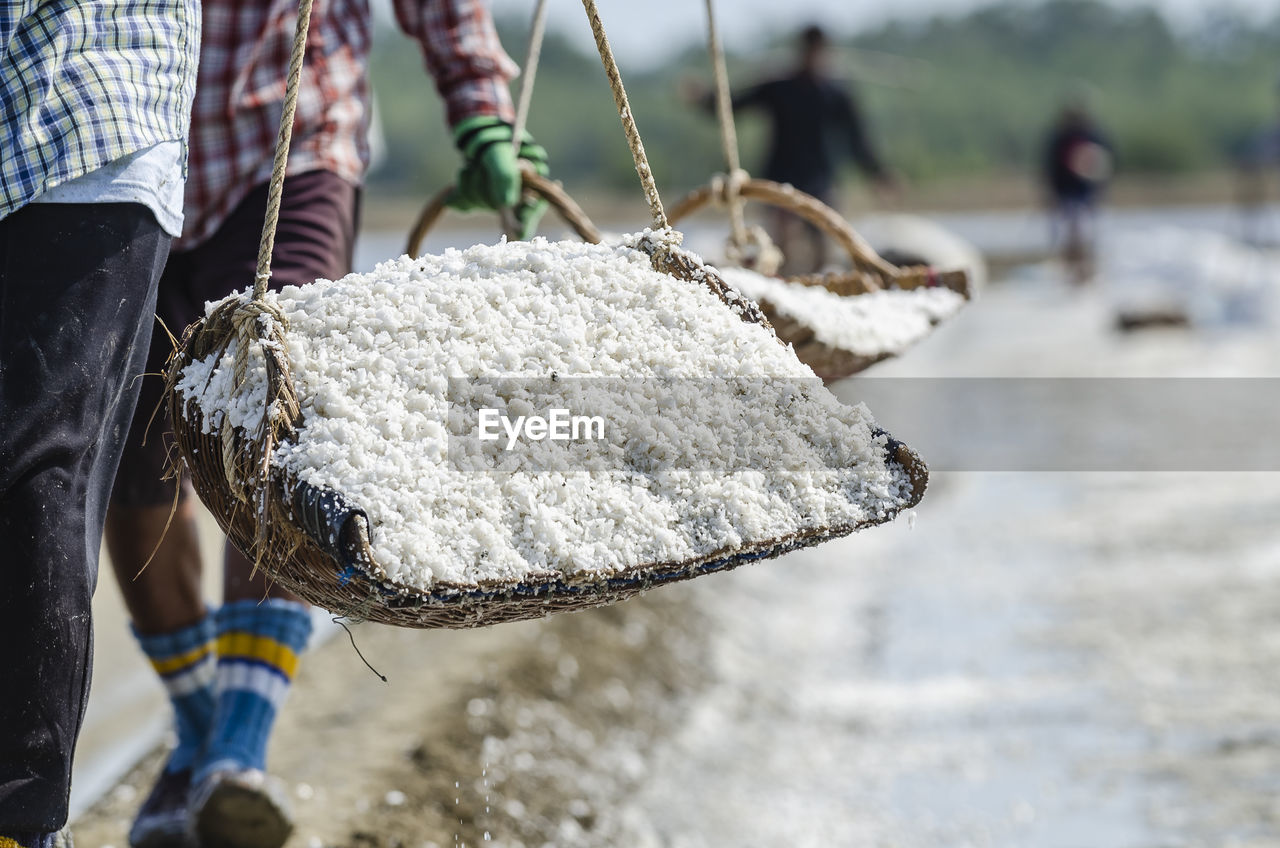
258 320
749 247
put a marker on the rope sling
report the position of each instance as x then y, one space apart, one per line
314 541
258 318
749 247
534 52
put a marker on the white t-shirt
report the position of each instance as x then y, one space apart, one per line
152 177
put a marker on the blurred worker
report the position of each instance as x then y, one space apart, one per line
1078 163
814 123
1253 159
95 100
227 670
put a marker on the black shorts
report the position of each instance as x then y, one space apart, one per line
77 289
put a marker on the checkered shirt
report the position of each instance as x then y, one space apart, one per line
86 82
244 58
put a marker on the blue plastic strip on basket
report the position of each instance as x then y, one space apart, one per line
324 514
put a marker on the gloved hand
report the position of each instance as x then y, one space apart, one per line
490 175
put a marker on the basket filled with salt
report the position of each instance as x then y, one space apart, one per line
711 445
512 430
839 335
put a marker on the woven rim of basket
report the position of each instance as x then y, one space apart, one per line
292 558
355 590
870 271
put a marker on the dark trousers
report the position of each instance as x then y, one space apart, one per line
77 295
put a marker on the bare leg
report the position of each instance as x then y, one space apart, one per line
1077 252
789 234
165 595
239 583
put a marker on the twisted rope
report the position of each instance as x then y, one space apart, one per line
530 72
728 132
276 188
532 56
632 132
258 320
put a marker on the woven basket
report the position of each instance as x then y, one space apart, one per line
869 271
316 544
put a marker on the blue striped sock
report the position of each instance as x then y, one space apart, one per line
185 660
258 648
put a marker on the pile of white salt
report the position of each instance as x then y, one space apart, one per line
883 322
715 436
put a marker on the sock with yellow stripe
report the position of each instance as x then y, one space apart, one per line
258 648
29 840
186 662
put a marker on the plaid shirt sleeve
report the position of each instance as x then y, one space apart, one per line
463 54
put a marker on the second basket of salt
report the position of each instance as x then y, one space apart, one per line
839 335
511 430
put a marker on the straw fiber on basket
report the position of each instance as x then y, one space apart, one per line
316 544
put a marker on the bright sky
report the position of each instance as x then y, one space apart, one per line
645 31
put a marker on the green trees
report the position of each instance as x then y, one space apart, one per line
980 98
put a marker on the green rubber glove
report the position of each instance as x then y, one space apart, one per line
490 175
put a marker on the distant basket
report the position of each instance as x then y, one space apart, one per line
869 271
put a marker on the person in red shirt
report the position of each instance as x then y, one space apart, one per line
227 670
